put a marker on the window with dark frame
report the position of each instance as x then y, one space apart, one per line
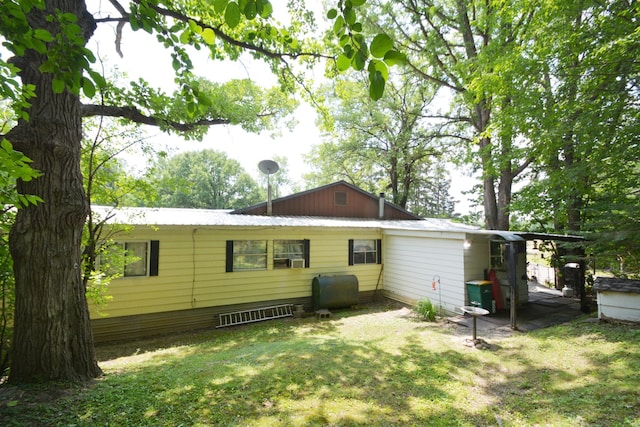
365 251
245 255
130 259
284 251
135 259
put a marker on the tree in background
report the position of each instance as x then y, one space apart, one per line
384 146
582 76
458 46
432 199
585 78
205 179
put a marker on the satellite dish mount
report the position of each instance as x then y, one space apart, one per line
268 167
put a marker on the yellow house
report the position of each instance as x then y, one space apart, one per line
198 276
192 266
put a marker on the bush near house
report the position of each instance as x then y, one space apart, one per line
426 309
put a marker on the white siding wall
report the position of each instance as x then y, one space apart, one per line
476 258
412 263
619 306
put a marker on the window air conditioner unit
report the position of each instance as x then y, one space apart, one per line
296 263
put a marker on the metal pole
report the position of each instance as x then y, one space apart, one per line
474 328
512 263
269 202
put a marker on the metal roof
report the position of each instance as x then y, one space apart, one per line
224 218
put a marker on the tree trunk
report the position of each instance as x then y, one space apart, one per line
52 336
504 199
489 191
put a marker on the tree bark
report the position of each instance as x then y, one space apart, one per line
52 332
489 192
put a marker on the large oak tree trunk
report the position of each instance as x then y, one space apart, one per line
52 336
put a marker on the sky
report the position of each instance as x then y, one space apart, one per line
144 57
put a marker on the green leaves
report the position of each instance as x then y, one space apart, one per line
220 5
208 36
203 179
234 11
232 15
356 52
13 166
380 45
378 75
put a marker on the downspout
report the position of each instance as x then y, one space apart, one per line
381 206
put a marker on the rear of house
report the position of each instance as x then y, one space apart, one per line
206 270
193 265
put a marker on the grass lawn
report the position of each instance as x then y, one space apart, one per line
377 366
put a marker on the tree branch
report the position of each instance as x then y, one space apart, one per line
133 114
230 40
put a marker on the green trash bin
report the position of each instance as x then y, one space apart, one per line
480 294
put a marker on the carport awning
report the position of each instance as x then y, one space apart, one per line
508 236
548 236
519 236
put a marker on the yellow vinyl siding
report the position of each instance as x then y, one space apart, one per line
192 268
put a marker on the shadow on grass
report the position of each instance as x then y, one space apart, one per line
366 367
259 331
375 366
579 373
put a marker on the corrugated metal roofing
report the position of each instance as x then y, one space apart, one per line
224 218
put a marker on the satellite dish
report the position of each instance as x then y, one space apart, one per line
268 167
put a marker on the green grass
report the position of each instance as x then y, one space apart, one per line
379 366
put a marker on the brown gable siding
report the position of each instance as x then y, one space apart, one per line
322 202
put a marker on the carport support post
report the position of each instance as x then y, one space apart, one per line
512 263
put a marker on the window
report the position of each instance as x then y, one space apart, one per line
286 250
497 254
365 251
135 259
130 259
340 198
246 255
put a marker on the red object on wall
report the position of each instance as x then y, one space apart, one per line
496 290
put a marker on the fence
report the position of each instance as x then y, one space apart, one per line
541 274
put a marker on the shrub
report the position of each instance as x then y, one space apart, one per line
426 309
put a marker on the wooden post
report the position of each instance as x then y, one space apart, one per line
512 264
